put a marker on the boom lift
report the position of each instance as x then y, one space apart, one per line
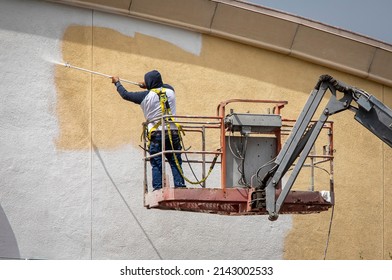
270 195
370 112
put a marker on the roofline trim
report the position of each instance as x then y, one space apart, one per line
249 41
308 22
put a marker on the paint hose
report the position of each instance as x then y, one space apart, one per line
68 65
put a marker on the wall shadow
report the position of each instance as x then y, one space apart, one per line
8 245
98 154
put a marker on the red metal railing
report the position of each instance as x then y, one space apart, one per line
225 199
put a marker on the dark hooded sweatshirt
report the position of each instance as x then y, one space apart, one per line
149 100
152 80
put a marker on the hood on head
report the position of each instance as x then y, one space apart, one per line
153 79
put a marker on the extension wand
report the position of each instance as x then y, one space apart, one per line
66 64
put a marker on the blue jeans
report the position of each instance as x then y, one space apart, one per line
156 162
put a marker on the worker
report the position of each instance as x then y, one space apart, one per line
150 103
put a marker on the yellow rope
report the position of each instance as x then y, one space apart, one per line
180 169
166 111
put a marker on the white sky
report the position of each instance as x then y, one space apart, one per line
372 18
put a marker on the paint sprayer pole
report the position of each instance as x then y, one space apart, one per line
98 73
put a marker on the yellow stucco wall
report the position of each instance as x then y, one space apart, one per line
387 189
91 112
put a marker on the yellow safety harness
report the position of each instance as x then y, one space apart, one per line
165 107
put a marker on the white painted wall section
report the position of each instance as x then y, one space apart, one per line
88 204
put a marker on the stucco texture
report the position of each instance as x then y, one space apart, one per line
69 188
222 71
72 173
92 115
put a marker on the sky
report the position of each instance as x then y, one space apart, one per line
371 18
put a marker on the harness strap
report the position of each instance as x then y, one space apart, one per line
165 108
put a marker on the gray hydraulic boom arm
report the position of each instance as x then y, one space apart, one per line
369 111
